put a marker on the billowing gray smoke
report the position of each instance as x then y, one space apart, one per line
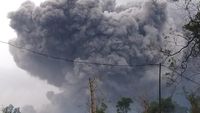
92 31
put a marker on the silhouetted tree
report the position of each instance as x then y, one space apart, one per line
191 37
167 106
123 105
194 100
102 108
11 109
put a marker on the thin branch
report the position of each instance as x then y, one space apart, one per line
177 52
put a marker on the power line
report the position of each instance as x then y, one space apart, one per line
75 61
181 75
93 63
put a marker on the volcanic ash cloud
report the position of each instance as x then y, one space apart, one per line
91 31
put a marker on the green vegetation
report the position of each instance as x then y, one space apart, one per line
123 105
102 108
167 106
194 102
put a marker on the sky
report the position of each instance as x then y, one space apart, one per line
17 87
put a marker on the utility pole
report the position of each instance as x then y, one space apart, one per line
160 109
92 96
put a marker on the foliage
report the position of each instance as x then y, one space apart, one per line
167 106
190 49
123 105
11 109
102 108
193 26
194 102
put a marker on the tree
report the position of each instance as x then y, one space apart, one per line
194 100
191 32
167 106
11 109
145 104
123 105
193 37
178 60
102 108
195 103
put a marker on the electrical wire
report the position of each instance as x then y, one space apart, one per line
93 63
74 61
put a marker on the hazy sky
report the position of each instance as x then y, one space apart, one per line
16 86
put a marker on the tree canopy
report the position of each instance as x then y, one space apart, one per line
11 109
123 105
167 106
102 108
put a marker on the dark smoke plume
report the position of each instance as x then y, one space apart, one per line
92 31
